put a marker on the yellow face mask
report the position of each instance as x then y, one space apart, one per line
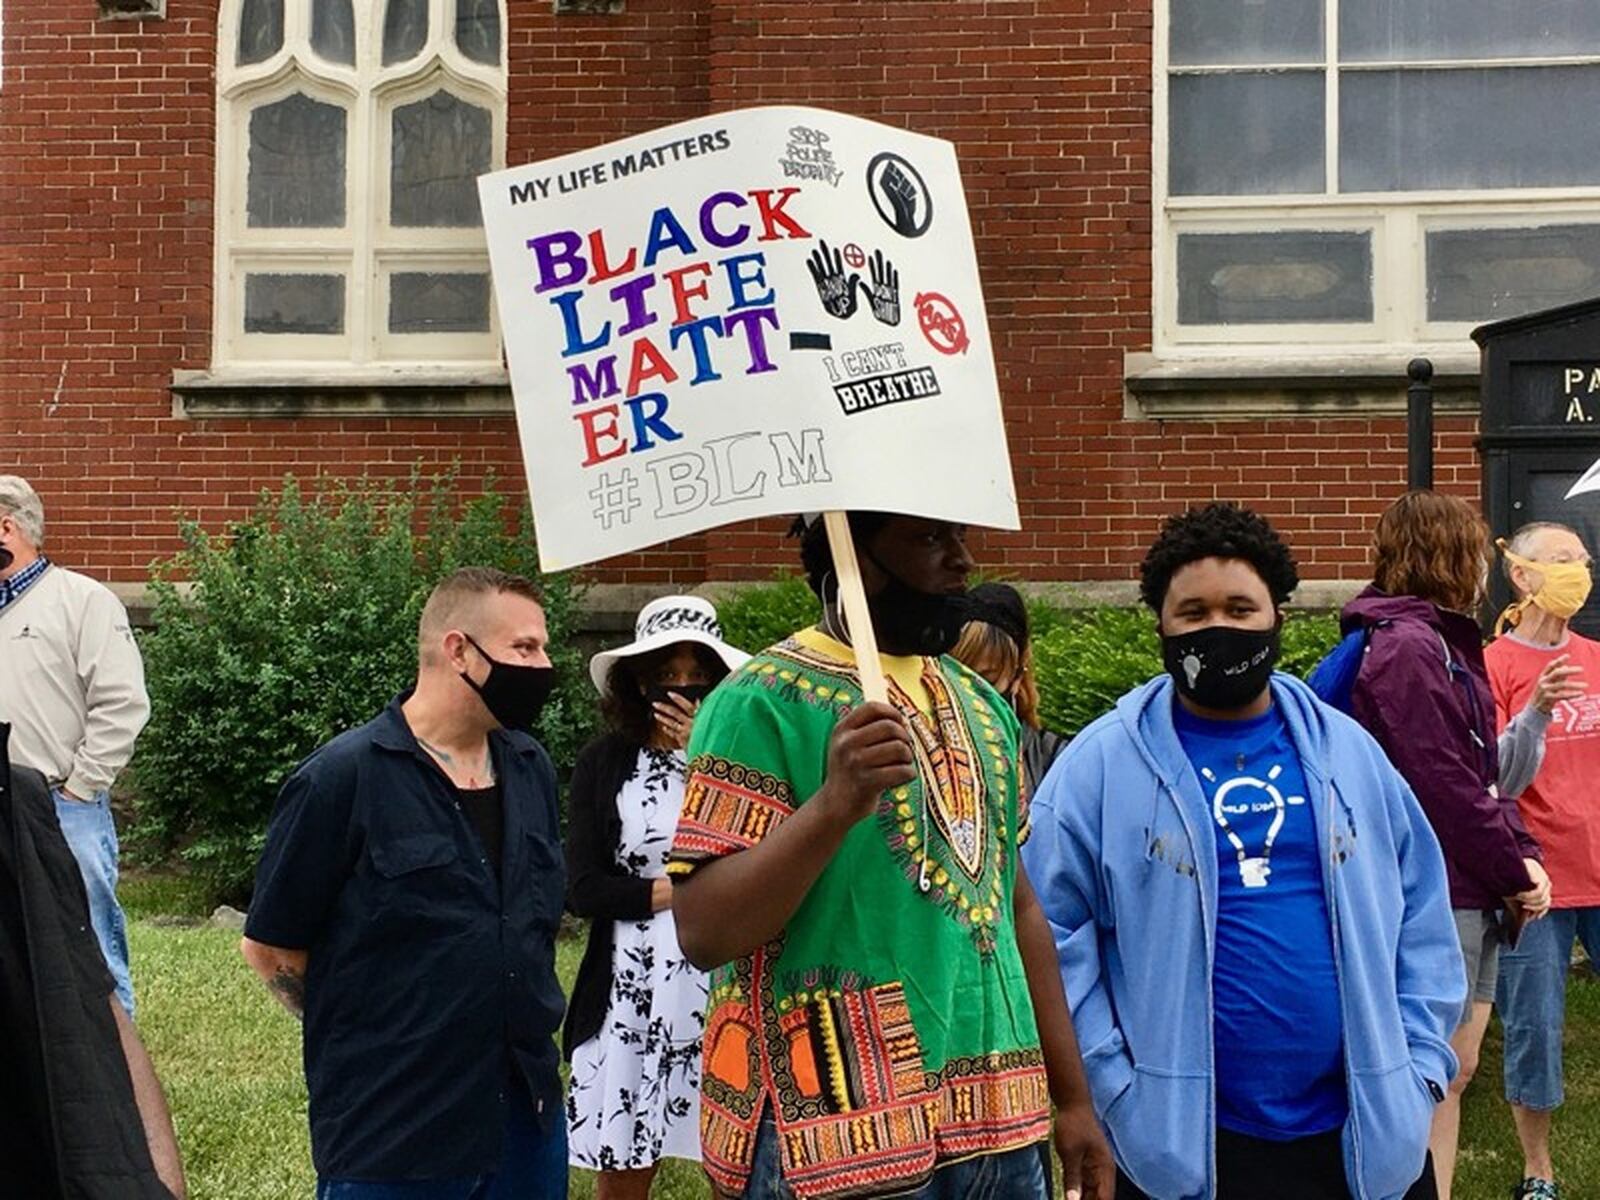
1565 591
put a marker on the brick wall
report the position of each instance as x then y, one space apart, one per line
106 179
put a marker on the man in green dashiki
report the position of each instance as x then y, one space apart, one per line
850 870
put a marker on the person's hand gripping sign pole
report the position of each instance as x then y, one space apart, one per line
683 322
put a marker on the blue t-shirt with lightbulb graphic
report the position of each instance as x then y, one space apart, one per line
1277 1027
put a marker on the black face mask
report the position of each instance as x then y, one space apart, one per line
6 558
513 694
692 692
1221 667
909 621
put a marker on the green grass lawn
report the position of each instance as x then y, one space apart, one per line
230 1060
229 1056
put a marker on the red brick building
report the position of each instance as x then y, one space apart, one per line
1212 234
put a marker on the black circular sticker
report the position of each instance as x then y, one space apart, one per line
899 194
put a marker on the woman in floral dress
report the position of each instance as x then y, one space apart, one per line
637 1014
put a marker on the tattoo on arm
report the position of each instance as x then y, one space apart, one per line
290 989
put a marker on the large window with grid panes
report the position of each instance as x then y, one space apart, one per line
350 135
1362 175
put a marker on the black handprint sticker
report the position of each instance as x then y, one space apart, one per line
835 289
884 291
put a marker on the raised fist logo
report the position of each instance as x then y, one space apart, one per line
900 195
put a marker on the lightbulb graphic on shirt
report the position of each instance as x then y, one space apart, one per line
1253 869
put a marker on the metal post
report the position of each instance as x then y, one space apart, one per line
1419 424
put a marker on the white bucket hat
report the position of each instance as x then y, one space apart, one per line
664 622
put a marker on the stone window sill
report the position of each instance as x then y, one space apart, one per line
405 392
1251 388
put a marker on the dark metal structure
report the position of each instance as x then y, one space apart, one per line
1539 428
1419 424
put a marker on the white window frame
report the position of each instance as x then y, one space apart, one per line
367 248
1398 222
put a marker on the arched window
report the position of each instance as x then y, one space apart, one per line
350 137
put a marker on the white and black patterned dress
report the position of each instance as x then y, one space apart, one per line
634 1096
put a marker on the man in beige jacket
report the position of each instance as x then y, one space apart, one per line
72 688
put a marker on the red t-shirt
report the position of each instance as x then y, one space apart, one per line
1562 805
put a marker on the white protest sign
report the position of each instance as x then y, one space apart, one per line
760 312
1588 482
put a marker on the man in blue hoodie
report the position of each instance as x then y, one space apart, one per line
1250 909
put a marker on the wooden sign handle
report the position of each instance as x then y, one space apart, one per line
853 600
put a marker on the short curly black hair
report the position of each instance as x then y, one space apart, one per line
1217 531
816 553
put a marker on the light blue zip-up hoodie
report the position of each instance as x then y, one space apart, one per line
1123 856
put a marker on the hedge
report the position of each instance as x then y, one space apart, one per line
299 622
1084 658
1091 656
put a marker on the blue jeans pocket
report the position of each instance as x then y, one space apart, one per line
91 834
1531 999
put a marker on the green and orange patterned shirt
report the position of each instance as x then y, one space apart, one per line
888 1028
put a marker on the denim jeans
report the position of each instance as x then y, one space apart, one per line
1532 999
533 1166
1008 1175
91 835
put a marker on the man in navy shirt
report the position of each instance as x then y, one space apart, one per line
1249 906
406 907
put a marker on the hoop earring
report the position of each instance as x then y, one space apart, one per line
839 632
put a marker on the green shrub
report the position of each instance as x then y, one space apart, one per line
1090 657
1084 658
753 618
300 622
1045 617
1307 638
1085 662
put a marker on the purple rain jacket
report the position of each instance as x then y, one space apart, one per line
1436 723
